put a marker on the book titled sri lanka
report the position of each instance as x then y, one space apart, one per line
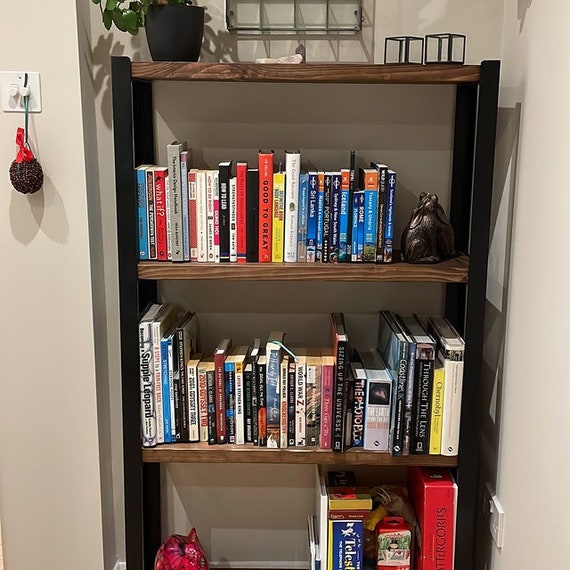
433 493
425 349
291 210
302 217
265 167
142 211
176 238
224 175
340 349
273 351
252 215
241 210
147 386
220 355
312 215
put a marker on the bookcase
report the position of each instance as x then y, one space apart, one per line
463 278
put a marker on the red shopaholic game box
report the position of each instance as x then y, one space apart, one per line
433 493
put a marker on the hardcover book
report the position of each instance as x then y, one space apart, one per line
273 351
202 215
192 214
291 210
451 351
233 219
379 388
252 215
265 166
241 210
423 383
220 355
340 349
224 175
176 238
437 408
160 174
142 211
147 385
169 412
239 356
327 400
196 410
277 217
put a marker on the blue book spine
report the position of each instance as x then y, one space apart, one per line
335 218
229 377
345 218
302 217
390 205
142 211
312 214
166 415
184 155
354 238
370 225
347 544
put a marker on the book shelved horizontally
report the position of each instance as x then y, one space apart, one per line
464 277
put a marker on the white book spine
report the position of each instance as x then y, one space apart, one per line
157 363
233 219
193 401
185 161
202 215
192 214
292 173
168 201
300 402
451 420
240 402
283 402
172 402
147 386
175 193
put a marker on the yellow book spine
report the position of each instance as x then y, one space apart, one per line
277 240
437 409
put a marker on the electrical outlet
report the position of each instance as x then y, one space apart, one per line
12 91
496 517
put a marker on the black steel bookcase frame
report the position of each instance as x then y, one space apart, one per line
471 190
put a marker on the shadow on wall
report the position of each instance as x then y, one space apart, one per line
523 6
508 126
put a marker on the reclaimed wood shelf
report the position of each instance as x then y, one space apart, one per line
353 73
204 453
450 271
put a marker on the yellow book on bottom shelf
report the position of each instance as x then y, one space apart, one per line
437 408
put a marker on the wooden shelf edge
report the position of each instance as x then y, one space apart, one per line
203 453
351 73
450 271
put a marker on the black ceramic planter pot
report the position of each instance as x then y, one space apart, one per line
174 32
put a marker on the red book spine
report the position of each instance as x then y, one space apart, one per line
241 209
160 213
265 204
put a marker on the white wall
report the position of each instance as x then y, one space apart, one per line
533 421
49 461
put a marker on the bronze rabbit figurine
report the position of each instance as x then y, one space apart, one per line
428 237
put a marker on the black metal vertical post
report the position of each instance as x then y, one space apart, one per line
467 472
132 299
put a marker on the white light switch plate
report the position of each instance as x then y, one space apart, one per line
13 81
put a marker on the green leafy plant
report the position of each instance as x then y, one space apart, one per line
128 15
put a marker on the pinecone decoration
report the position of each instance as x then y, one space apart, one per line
26 177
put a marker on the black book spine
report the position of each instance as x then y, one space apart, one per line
421 412
183 381
211 397
224 175
248 408
262 407
339 398
252 216
254 402
291 404
400 402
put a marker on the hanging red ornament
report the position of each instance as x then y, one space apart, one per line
26 174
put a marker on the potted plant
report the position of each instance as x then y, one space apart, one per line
174 28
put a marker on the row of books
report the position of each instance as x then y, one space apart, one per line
384 526
261 213
398 398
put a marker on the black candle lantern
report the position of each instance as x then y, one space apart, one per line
403 49
445 48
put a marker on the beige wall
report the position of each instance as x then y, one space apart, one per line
49 462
